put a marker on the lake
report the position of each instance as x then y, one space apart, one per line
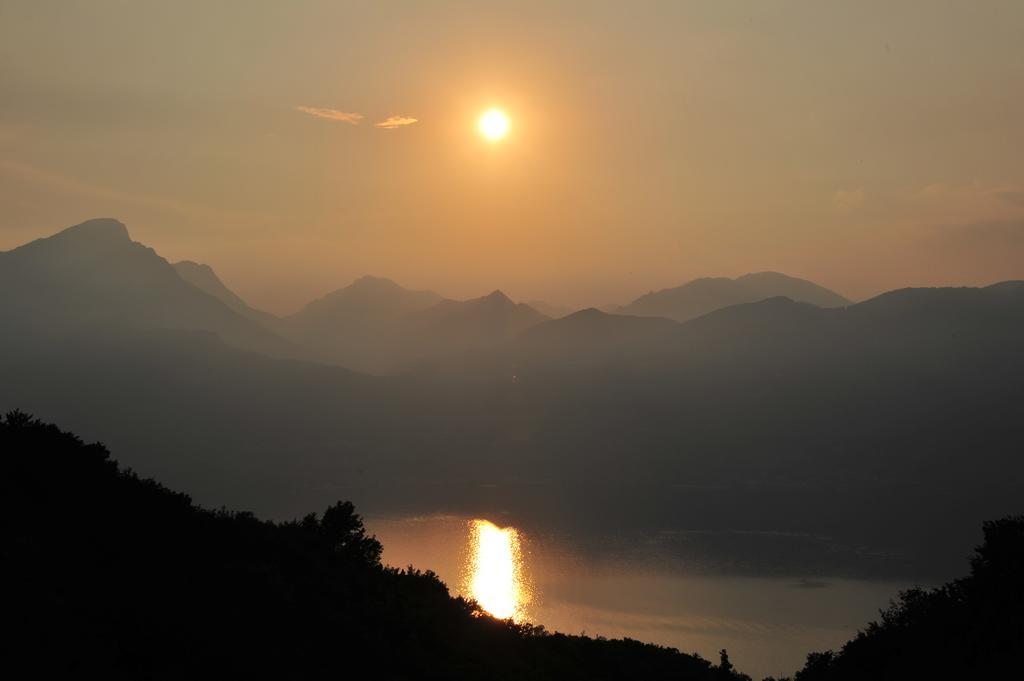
767 623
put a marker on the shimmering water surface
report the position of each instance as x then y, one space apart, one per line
768 624
494 573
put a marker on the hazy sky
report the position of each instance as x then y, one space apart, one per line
864 145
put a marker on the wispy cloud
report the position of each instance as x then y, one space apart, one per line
392 122
332 114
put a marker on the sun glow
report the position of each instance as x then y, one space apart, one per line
494 124
494 577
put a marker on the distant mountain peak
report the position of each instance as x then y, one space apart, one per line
368 280
497 296
87 239
105 229
92 277
588 313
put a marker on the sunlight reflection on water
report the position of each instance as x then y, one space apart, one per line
495 573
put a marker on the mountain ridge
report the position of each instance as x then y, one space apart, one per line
703 295
94 275
204 278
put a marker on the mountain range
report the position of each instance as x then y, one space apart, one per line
701 296
849 432
376 325
94 274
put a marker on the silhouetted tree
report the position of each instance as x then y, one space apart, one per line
344 529
969 628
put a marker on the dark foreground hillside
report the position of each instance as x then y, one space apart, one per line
971 628
106 573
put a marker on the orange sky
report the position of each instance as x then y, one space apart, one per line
860 145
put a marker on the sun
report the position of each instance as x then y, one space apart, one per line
494 124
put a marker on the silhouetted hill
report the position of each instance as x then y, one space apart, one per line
970 628
93 276
106 574
701 296
205 279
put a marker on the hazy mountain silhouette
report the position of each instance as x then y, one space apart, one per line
356 326
868 425
701 296
455 325
93 276
590 335
376 325
365 301
204 278
593 326
779 328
